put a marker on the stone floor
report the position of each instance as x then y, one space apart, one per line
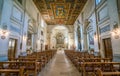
60 65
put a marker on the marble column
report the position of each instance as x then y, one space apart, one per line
34 42
85 40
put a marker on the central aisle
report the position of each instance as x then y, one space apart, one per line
60 66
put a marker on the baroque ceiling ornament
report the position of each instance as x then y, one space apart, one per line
60 11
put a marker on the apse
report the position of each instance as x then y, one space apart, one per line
59 37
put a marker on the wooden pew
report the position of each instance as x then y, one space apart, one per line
80 61
104 66
88 63
7 71
42 58
41 61
31 67
101 73
95 59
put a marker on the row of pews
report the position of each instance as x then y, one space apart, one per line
91 65
29 65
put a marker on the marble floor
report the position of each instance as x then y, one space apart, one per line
60 65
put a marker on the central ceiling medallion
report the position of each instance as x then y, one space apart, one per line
60 10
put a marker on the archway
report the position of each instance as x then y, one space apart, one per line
59 37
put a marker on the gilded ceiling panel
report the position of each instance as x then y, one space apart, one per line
60 11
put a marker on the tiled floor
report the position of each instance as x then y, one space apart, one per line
60 66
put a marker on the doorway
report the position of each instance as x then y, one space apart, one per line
46 47
41 47
12 48
108 48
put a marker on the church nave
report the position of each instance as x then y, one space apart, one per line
60 65
59 37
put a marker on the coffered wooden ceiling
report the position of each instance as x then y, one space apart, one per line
60 11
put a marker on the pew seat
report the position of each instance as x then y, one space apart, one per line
30 67
104 66
20 71
101 73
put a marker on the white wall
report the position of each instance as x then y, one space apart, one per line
8 18
106 14
16 18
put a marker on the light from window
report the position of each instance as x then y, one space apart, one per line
98 1
42 23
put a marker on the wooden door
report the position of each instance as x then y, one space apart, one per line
12 48
46 47
108 48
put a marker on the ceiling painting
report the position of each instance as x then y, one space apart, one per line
60 11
